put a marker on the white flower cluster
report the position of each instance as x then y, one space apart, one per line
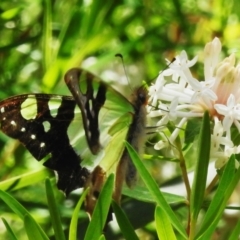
179 96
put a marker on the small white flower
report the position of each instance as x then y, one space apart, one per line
179 97
222 160
211 58
227 111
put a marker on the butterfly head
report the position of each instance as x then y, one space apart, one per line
139 97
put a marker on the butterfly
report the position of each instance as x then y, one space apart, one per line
81 135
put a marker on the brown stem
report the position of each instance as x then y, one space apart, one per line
211 185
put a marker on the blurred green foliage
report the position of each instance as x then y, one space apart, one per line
41 39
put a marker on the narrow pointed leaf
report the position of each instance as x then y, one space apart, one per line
33 230
24 180
100 213
227 184
124 224
154 190
54 212
11 234
102 237
13 204
16 207
163 225
200 174
235 232
142 194
47 33
74 220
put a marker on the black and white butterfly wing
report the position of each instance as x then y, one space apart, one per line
41 123
100 105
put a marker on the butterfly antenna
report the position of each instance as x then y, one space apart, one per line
166 67
168 64
124 68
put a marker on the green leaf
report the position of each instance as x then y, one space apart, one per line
24 180
163 225
74 220
101 210
102 237
33 230
142 194
124 224
235 232
226 186
11 234
10 13
47 33
22 213
154 190
14 205
200 174
54 212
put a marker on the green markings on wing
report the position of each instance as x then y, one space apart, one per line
114 120
115 147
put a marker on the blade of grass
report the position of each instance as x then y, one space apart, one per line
213 209
142 194
24 180
13 204
124 224
33 229
11 234
102 237
16 207
95 18
54 212
163 225
200 174
227 184
47 33
154 190
74 220
100 213
235 232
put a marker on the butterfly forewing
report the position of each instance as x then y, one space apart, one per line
99 104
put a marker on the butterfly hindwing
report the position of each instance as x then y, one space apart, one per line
40 122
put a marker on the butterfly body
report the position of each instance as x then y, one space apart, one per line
136 137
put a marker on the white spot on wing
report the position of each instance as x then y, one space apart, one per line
23 129
42 144
88 122
2 109
13 123
29 108
54 104
89 134
76 134
46 126
33 136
